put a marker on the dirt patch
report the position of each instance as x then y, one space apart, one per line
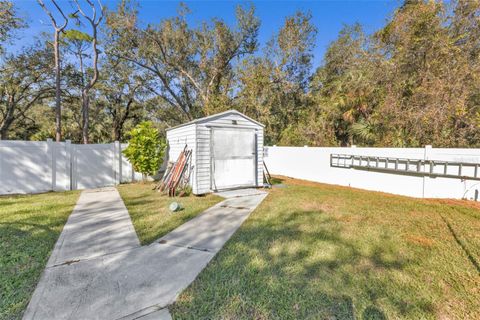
419 214
317 206
422 241
455 202
348 218
307 183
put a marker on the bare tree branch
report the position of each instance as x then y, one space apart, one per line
94 23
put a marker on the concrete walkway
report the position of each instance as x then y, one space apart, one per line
99 225
98 270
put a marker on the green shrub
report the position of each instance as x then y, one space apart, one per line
145 149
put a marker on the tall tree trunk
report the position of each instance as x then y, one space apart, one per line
4 128
117 132
94 23
3 132
58 103
8 119
119 123
56 44
85 115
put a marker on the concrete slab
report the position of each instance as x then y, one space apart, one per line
99 225
116 285
243 202
210 230
240 193
162 314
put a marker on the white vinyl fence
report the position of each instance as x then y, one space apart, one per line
311 163
32 167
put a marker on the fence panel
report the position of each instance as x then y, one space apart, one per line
311 163
93 166
128 174
25 167
32 167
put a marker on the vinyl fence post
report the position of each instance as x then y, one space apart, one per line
74 167
51 151
68 156
132 171
426 156
118 164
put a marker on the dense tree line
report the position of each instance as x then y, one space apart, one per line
416 81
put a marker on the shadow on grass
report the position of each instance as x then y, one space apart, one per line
276 180
460 243
373 313
297 266
25 250
139 201
29 227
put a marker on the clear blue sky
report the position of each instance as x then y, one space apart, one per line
328 16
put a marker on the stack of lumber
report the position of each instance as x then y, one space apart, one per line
177 175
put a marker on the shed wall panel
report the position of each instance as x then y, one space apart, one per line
203 159
177 139
260 157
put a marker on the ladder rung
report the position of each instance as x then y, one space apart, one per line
420 166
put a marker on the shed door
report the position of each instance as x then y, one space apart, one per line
233 158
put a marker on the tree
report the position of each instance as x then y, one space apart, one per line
145 149
347 88
465 30
24 81
411 83
273 88
122 91
427 91
9 22
56 49
192 65
78 38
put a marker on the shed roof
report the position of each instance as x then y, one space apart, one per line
215 116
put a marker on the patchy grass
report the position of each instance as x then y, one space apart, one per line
314 251
150 213
29 227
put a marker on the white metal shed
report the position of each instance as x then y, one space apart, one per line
227 151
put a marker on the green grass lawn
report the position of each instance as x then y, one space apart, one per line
314 251
29 227
150 213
